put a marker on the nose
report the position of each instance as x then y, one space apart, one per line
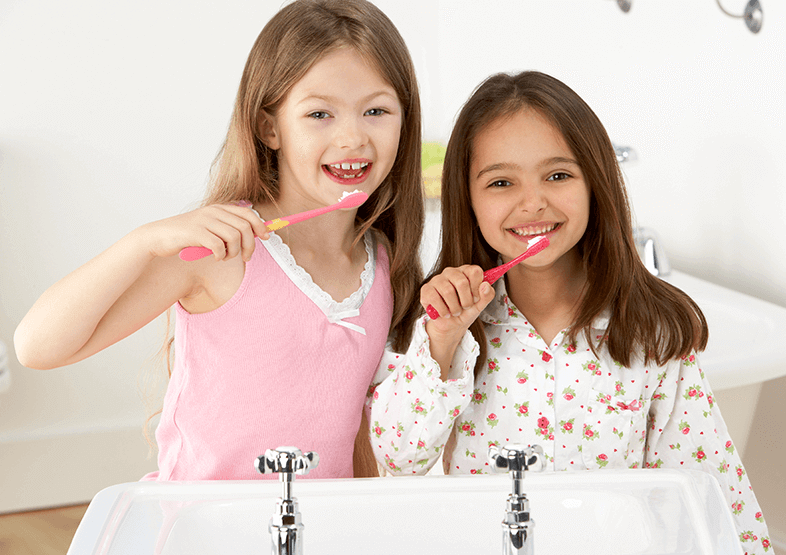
532 198
350 134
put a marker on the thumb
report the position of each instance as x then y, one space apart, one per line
486 295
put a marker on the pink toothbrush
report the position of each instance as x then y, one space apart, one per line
534 247
349 200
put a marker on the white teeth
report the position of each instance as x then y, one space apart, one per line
534 230
348 166
344 166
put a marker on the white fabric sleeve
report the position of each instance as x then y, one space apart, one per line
411 410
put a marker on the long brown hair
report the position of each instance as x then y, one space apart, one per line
647 315
297 37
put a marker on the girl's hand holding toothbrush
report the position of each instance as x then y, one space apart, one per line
228 230
459 295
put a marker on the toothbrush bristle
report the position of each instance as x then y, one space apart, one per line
353 199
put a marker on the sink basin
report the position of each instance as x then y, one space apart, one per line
614 511
745 334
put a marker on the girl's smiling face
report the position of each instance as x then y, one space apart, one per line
337 130
525 181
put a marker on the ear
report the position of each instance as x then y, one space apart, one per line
266 127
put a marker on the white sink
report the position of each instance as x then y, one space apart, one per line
746 334
635 511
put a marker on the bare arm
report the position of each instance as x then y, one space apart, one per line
129 284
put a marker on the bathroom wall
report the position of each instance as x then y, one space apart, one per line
110 116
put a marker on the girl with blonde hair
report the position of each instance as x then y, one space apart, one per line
277 334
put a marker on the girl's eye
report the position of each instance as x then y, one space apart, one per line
376 112
499 183
319 115
559 176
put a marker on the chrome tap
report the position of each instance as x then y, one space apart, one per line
651 251
517 527
286 525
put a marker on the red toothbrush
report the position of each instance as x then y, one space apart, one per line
534 247
349 200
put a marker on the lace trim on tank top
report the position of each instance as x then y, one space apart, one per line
333 310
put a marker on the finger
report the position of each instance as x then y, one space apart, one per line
433 303
440 294
475 276
486 295
247 243
245 210
432 312
230 235
449 294
467 285
257 223
243 224
214 243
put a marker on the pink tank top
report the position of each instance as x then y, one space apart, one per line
280 363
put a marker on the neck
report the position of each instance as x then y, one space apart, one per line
333 232
324 246
549 297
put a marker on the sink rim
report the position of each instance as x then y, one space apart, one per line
740 367
111 504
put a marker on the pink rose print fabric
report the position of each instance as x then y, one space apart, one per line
587 412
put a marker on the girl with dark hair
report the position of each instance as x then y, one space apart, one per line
578 349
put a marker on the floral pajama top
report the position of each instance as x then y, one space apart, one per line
586 412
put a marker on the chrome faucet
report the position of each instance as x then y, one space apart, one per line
286 525
517 527
651 251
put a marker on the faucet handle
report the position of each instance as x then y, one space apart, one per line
286 524
516 457
287 460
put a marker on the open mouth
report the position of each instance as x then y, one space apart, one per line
346 170
529 232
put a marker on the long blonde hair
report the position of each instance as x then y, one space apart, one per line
290 44
297 37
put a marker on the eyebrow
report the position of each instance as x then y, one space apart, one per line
498 166
333 99
515 167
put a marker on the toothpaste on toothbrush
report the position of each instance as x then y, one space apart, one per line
347 193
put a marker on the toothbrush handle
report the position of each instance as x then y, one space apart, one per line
189 254
494 274
300 216
353 200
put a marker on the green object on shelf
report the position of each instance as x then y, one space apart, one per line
432 157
